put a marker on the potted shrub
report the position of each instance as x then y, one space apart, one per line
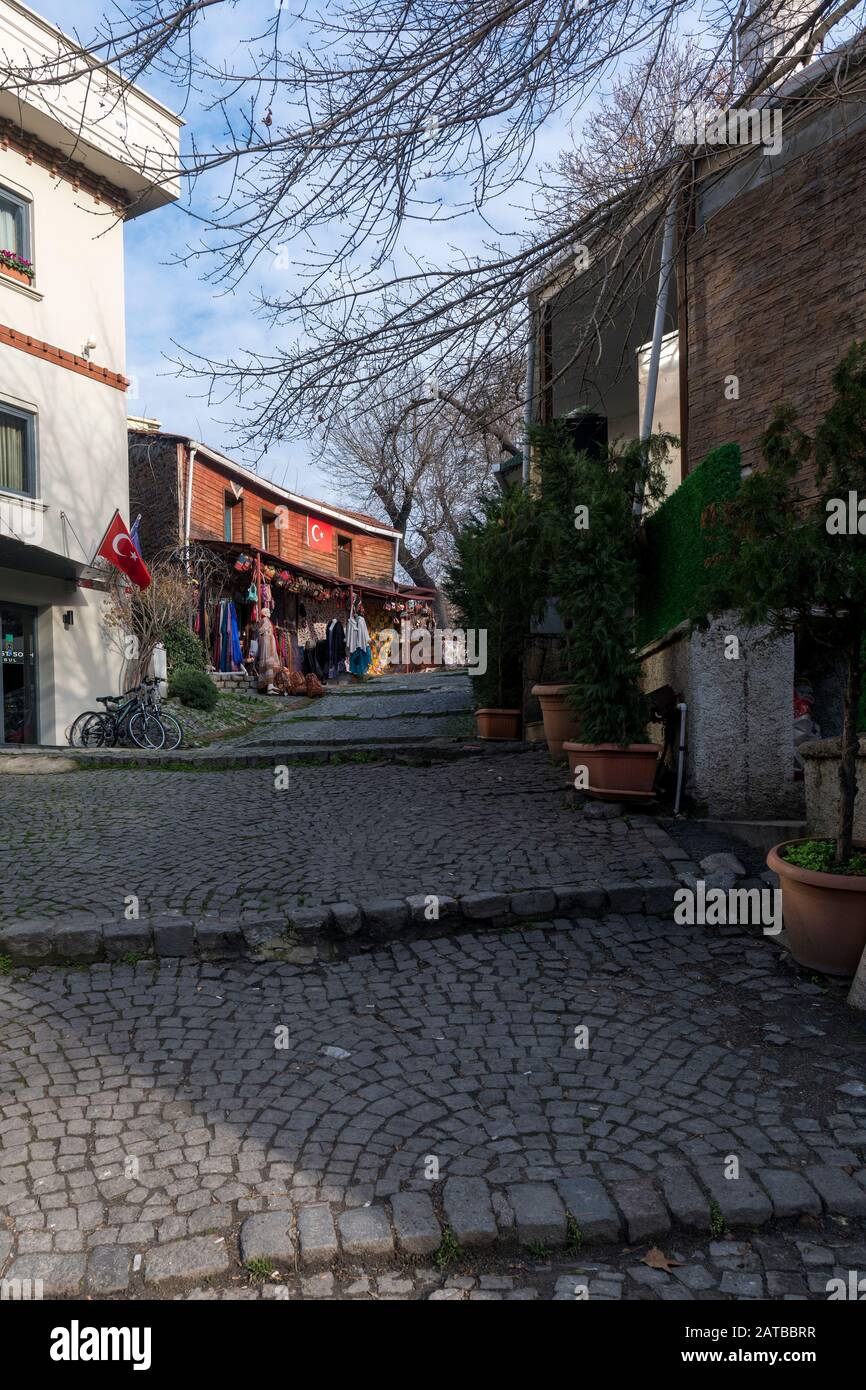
800 566
593 542
496 582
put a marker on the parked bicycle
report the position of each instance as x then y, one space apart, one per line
134 717
173 727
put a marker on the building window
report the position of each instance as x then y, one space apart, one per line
229 504
344 557
14 225
17 451
268 522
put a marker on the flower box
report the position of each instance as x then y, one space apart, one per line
16 267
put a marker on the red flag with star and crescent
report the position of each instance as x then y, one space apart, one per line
120 550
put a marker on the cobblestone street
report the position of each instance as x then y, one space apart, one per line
148 1111
469 1111
232 840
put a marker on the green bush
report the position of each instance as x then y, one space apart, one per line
497 582
795 565
592 543
193 688
673 560
182 647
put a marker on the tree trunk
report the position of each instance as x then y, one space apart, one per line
850 745
418 574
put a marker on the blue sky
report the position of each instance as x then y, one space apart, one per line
167 303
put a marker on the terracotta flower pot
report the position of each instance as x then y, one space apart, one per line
616 773
498 723
825 914
15 274
561 722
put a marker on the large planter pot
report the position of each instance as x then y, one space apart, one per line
616 773
561 722
498 723
825 914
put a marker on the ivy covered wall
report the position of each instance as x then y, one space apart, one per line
672 561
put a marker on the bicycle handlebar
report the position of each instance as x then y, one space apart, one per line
134 690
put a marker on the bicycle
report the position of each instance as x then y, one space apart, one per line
172 726
128 715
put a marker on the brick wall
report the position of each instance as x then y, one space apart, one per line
777 292
155 490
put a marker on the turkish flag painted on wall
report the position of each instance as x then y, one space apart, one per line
118 548
320 536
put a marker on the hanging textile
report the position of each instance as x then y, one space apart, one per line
336 638
267 660
358 643
226 649
236 654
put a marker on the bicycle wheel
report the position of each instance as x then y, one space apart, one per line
145 730
95 732
77 726
173 731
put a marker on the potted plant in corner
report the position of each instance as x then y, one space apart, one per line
593 540
799 565
496 583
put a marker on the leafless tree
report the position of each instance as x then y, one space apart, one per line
420 457
631 134
139 617
337 129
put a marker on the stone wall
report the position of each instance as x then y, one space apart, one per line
739 732
821 759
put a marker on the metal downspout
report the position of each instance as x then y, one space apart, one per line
649 405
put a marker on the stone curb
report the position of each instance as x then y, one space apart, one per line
469 1214
262 755
81 939
301 935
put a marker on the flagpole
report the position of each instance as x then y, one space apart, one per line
104 534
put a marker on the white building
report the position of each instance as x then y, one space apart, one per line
77 158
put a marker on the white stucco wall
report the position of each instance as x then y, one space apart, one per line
81 458
77 249
119 132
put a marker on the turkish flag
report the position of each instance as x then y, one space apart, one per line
320 536
118 548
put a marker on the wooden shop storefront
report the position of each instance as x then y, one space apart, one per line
309 562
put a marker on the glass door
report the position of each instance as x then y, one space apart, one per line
17 674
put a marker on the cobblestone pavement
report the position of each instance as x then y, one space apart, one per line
199 841
787 1266
147 1112
421 706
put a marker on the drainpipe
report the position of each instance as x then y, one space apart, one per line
187 520
529 392
683 709
649 405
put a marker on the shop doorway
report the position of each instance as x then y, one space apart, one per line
17 673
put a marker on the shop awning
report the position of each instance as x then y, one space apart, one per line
365 586
32 559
